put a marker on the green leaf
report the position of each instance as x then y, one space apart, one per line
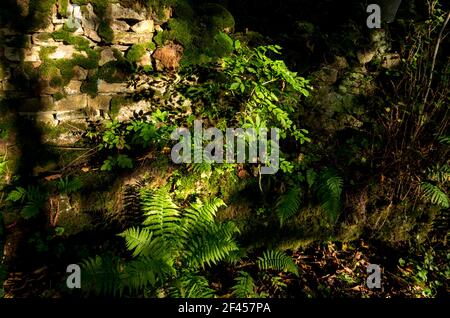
288 204
277 260
17 195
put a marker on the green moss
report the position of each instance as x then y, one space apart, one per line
90 86
105 32
90 62
159 39
46 51
40 12
198 30
136 52
66 69
58 96
67 37
217 17
62 7
116 103
48 70
30 71
56 81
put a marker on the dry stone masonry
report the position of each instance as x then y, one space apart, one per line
70 69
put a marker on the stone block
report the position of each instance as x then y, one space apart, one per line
72 102
107 88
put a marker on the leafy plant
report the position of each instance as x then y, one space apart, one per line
67 186
329 188
288 204
32 199
245 286
277 260
256 79
434 194
171 246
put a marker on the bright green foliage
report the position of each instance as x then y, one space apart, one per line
289 204
434 194
329 188
171 240
257 79
162 215
17 195
245 286
62 7
277 260
136 52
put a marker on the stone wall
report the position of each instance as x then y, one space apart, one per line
80 62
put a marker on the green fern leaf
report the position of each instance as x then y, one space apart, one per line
288 204
137 239
329 189
162 215
207 248
245 286
191 286
144 271
434 195
200 214
102 275
277 260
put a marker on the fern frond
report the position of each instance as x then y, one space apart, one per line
191 286
434 194
137 239
101 275
277 260
329 189
143 271
67 186
245 286
162 215
200 214
207 248
288 204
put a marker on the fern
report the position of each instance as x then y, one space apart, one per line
170 240
210 247
245 286
144 271
288 204
434 194
68 186
162 215
329 189
137 240
200 215
102 275
277 260
191 286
